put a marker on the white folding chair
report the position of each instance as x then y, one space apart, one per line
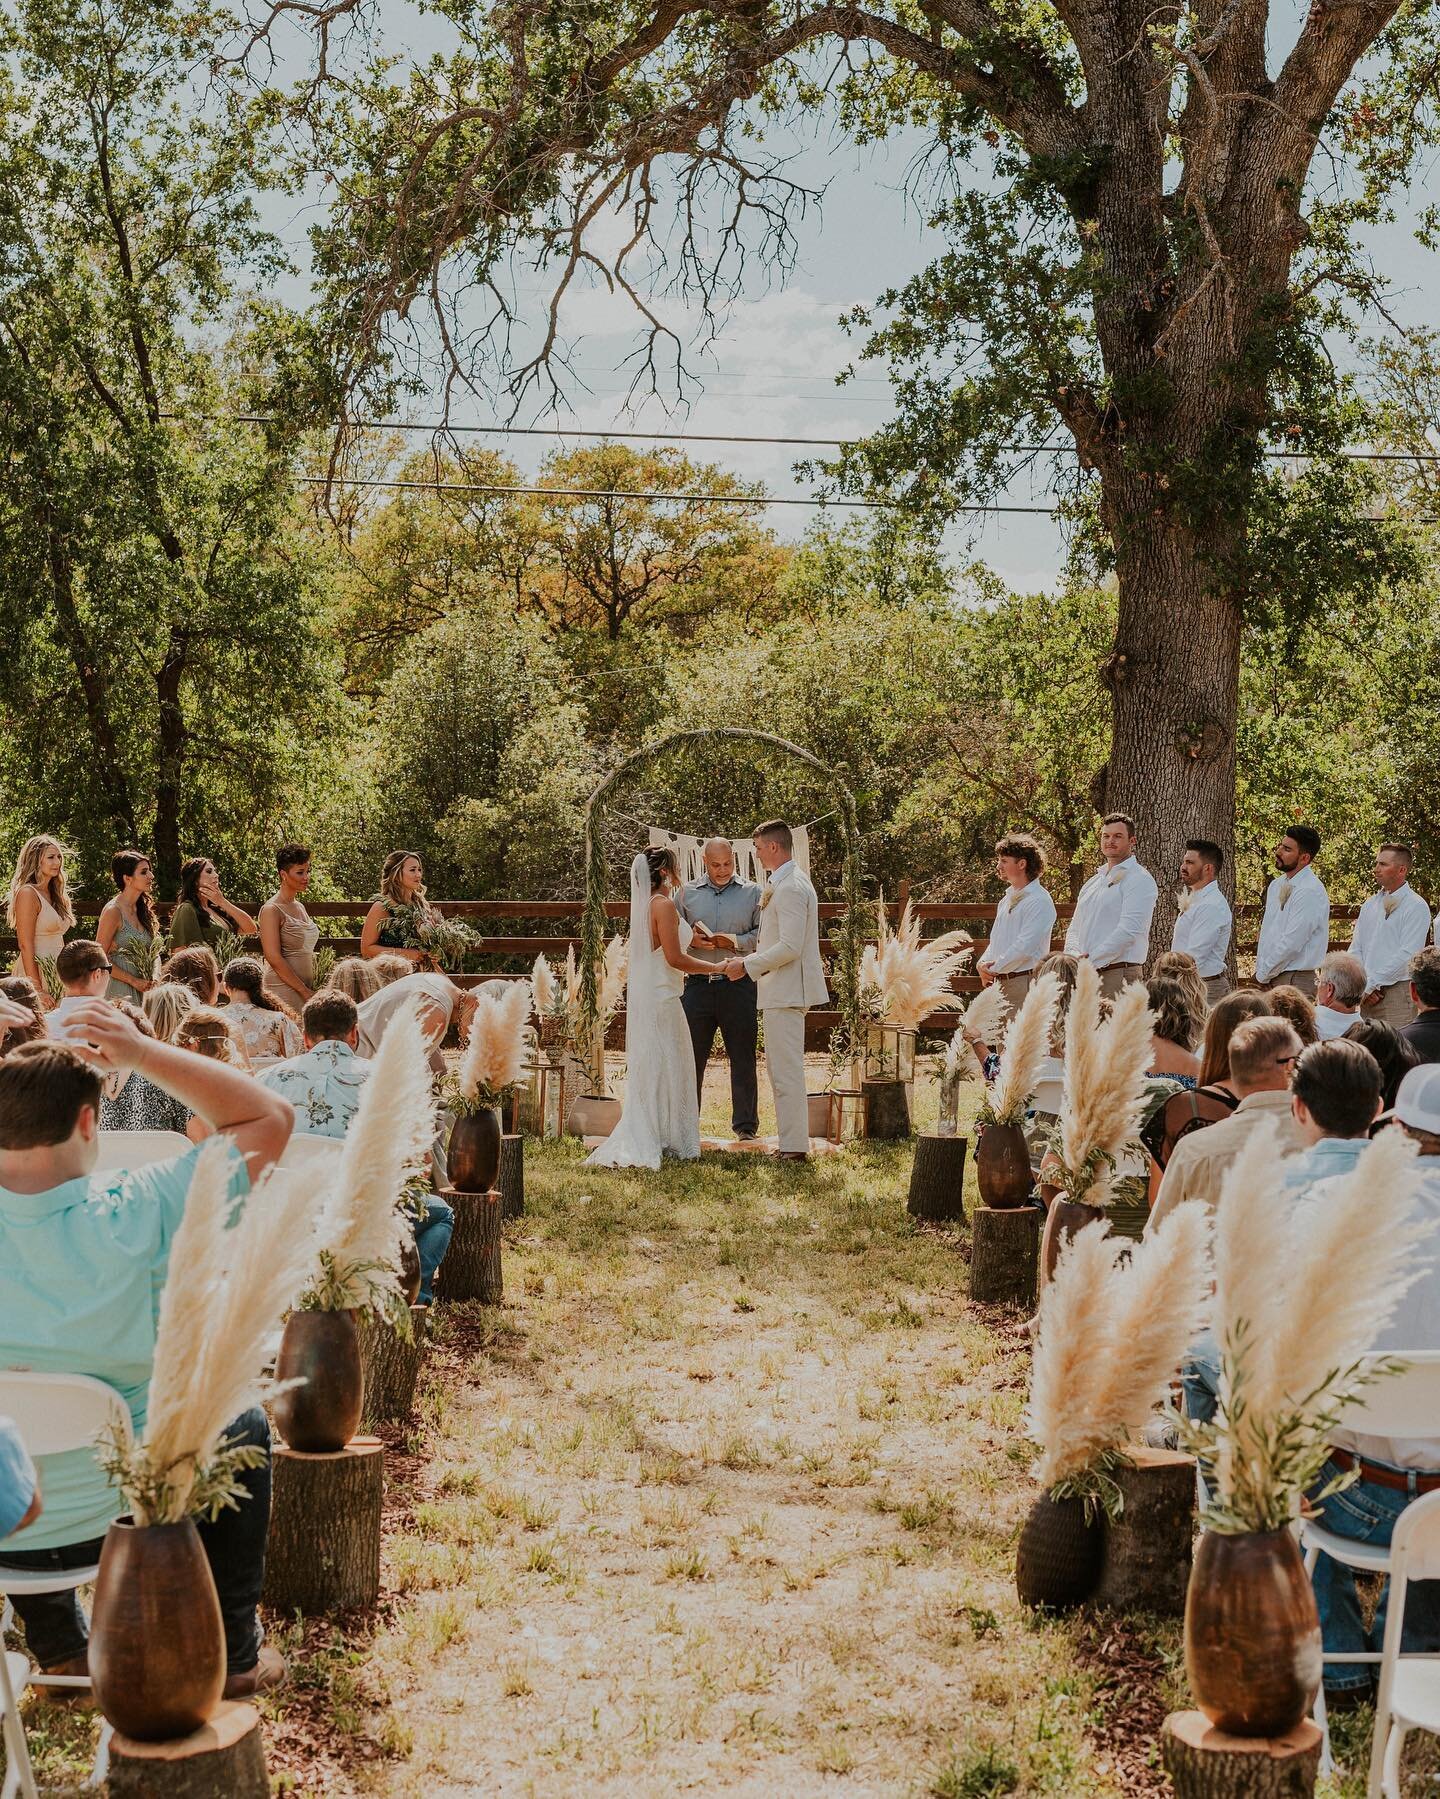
308 1150
54 1413
1409 1695
137 1149
1406 1404
15 1674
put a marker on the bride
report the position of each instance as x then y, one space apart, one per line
662 1110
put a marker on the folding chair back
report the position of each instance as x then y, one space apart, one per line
137 1149
307 1150
1406 1404
57 1412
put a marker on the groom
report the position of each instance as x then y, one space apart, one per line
787 968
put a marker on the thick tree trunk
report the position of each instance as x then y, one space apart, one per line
225 1760
323 1550
1005 1255
512 1175
472 1268
1149 1547
1204 1764
392 1367
937 1179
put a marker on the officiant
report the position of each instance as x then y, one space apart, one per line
725 914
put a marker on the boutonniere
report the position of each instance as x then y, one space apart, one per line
1183 901
766 897
1116 878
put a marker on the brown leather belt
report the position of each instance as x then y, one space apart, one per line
1385 1477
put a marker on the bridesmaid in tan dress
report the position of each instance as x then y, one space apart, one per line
39 909
288 934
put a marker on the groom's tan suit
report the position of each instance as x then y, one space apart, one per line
790 976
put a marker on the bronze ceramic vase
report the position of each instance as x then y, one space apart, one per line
472 1157
1061 1553
323 1350
157 1642
1063 1218
1002 1167
1252 1633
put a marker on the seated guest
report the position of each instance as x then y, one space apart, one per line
1423 1035
195 968
83 969
1263 1054
167 1005
355 978
203 914
128 1101
20 995
15 1017
265 1027
1391 1051
83 1260
1393 1471
1215 1097
1182 967
19 1483
1291 1004
324 1086
1172 1037
1339 989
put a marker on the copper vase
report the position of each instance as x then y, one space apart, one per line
1060 1554
472 1157
1252 1633
1063 1218
1002 1167
323 1350
157 1641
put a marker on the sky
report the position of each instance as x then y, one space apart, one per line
772 370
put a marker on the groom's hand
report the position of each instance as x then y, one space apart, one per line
735 968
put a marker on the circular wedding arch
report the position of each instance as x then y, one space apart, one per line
846 968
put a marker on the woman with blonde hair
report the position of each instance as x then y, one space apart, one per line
127 930
167 1004
355 978
399 913
1177 965
205 1030
38 908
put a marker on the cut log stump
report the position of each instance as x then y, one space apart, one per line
1206 1764
937 1179
512 1177
392 1367
887 1111
471 1269
1005 1255
225 1760
323 1552
1149 1547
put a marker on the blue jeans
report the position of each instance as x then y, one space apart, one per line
1366 1513
1200 1378
432 1239
55 1626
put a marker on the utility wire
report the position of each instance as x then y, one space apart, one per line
627 493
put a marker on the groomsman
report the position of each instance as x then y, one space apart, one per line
1203 928
1111 925
726 915
1024 919
1393 924
1295 931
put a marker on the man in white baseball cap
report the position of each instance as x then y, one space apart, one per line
1417 1107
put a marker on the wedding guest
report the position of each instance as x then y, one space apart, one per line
725 914
83 1261
1295 931
400 913
440 1001
1216 1097
195 968
268 1032
1172 1036
1393 1054
288 934
1339 989
1111 924
1205 921
204 1030
203 914
1179 966
83 970
167 1005
38 908
356 979
1024 919
130 1102
127 930
391 967
22 1017
1423 1035
1299 1008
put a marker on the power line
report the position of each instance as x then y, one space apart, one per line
626 493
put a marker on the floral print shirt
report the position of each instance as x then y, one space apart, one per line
323 1085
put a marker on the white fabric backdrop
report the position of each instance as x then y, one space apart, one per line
692 863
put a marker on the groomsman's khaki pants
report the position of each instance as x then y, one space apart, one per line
1303 978
1396 1006
1014 987
1216 987
785 1060
1118 975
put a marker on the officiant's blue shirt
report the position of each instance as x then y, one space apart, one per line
733 909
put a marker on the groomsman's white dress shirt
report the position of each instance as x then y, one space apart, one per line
1389 930
1203 930
1112 915
1295 932
1020 935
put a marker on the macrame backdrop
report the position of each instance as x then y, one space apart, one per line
692 862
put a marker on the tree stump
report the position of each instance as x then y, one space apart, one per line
471 1269
511 1178
225 1760
1206 1764
323 1553
887 1110
1005 1255
392 1367
937 1178
1149 1547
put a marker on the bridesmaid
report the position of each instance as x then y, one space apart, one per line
202 912
392 923
127 930
288 934
39 908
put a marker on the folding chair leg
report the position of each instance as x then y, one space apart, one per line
1327 1761
19 1775
1394 1749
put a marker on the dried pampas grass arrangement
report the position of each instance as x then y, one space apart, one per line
544 989
980 1024
1111 1335
494 1059
226 1294
911 974
1104 1094
1023 1053
1293 1339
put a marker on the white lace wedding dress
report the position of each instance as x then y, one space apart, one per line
661 1113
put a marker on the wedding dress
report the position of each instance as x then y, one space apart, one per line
661 1112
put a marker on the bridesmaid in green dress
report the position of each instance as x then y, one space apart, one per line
127 931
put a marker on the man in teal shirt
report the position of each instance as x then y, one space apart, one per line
83 1260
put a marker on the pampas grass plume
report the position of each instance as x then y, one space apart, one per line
1026 1046
986 1013
1075 1338
543 989
494 1058
1104 1097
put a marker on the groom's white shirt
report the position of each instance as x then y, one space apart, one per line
786 964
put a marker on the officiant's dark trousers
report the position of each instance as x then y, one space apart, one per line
730 1007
